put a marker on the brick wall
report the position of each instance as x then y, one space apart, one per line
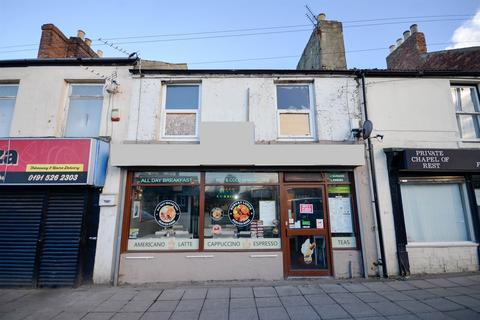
412 55
54 44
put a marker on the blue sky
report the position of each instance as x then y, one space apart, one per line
20 22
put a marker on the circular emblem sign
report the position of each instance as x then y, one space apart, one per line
241 213
166 213
216 214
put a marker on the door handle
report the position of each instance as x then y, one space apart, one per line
92 238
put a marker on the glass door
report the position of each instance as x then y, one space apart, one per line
307 238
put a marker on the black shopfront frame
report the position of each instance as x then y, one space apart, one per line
426 163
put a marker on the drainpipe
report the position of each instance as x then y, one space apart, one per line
371 164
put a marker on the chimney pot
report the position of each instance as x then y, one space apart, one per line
406 34
81 34
100 53
392 48
413 28
321 17
399 42
88 42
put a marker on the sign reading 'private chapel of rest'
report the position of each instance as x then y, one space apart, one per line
442 159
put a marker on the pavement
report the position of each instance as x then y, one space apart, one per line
438 297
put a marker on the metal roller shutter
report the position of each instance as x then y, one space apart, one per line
20 218
61 238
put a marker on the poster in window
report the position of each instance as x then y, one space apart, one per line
167 213
340 214
136 209
267 212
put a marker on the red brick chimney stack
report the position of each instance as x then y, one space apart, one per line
54 44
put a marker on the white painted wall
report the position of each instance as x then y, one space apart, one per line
41 111
410 113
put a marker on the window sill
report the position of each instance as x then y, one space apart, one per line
294 139
442 244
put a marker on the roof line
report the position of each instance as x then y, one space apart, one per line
67 62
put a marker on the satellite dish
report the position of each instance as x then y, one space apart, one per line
367 129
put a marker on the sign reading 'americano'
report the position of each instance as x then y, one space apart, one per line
442 159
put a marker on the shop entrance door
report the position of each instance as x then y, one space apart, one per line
306 237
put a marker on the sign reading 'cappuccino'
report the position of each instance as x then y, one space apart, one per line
442 159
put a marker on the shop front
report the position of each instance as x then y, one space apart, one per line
435 196
49 192
240 223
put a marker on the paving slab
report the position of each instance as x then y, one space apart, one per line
345 298
421 284
377 286
273 313
218 293
437 315
240 303
242 292
161 315
216 314
293 301
171 294
127 316
332 311
199 293
167 305
98 316
287 291
185 315
442 304
216 304
268 302
262 292
302 313
463 314
319 299
310 289
137 306
190 305
415 306
462 281
243 314
332 288
400 285
441 282
359 309
388 308
355 287
370 297
395 296
420 294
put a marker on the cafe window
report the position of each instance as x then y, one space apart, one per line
436 211
8 95
467 106
340 202
84 110
164 211
295 111
239 216
181 113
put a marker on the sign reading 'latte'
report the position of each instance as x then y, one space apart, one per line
166 213
241 213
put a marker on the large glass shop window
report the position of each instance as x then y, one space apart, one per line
239 216
164 211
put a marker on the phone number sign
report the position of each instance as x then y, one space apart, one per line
44 161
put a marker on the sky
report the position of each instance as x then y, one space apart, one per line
240 34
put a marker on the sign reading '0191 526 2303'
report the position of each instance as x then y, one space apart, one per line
442 159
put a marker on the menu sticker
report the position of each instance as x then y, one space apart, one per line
320 224
306 208
241 213
166 213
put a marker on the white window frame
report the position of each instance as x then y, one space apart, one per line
194 137
460 113
67 108
310 112
10 98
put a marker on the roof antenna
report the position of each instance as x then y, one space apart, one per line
311 16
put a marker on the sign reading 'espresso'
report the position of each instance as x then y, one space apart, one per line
442 159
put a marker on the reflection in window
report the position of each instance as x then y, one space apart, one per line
164 218
295 116
84 111
8 95
241 217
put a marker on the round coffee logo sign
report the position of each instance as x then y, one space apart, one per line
216 214
166 213
241 213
